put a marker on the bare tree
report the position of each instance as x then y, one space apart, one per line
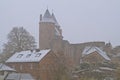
19 39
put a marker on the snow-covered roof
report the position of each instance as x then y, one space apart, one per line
47 14
96 70
57 32
89 50
55 20
106 68
28 56
49 18
19 76
3 67
101 69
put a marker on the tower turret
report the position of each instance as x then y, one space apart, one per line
49 30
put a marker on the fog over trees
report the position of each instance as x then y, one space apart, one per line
19 39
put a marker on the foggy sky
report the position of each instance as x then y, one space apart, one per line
80 20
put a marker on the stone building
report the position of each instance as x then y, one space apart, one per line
41 65
92 54
49 32
50 36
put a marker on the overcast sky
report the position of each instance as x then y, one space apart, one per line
80 20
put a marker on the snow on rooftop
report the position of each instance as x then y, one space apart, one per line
106 68
89 50
3 67
49 18
57 32
55 20
28 56
47 14
96 70
19 76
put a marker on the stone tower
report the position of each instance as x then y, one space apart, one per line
49 31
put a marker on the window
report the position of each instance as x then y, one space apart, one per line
20 55
38 55
28 55
21 67
13 66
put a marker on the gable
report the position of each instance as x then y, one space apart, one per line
89 50
4 67
93 57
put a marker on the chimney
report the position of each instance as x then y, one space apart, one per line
37 50
31 50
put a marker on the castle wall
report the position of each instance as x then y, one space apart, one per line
46 35
48 38
73 52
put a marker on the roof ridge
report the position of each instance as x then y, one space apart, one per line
54 18
33 58
99 51
47 14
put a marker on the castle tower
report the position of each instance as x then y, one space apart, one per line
49 30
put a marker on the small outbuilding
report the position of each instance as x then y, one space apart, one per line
41 64
5 70
19 76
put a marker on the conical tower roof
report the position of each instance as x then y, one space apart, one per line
47 17
55 20
47 14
